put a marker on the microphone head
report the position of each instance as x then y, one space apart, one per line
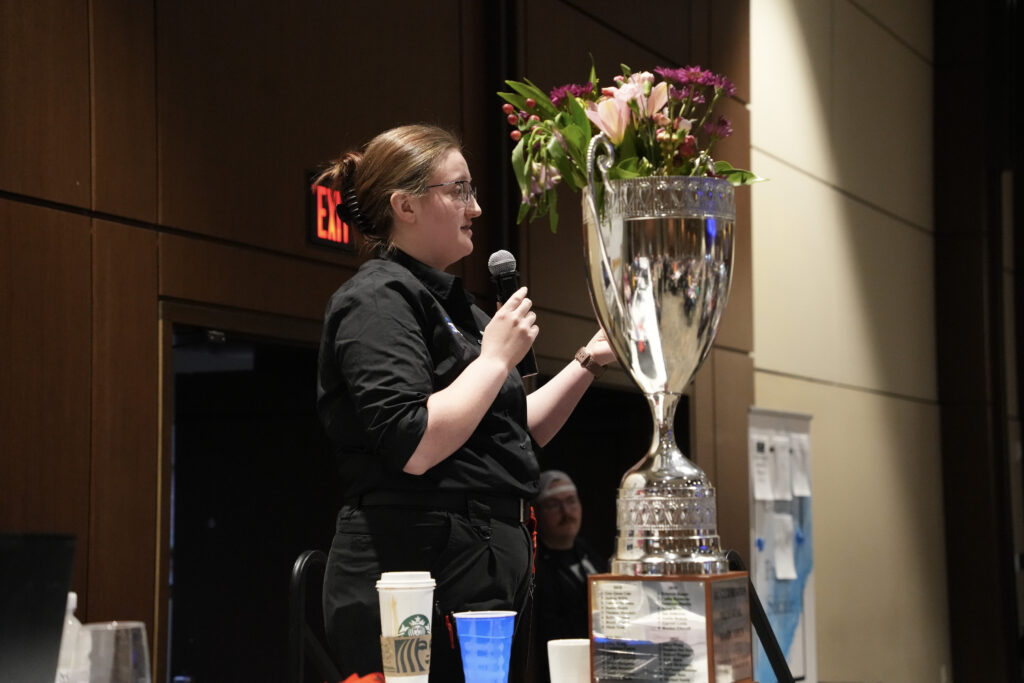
501 262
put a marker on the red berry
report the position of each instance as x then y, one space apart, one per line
513 119
534 117
515 135
508 108
530 103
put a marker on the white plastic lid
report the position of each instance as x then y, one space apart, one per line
400 580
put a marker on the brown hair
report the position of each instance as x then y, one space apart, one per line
397 160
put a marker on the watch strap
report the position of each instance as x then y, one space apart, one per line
584 358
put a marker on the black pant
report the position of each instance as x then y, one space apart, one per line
479 563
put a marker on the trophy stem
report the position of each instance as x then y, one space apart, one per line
666 507
664 455
663 410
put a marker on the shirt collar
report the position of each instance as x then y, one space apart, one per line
441 284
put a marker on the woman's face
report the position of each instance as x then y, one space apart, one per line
440 234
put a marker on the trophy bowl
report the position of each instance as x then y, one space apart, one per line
659 253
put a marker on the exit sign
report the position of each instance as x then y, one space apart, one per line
325 226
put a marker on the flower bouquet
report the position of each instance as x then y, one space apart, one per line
658 125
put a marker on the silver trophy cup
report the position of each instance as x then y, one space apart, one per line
659 263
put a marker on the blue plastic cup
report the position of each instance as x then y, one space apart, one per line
485 639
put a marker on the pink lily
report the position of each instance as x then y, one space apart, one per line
658 98
611 116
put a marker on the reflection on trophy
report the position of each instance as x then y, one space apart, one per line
659 261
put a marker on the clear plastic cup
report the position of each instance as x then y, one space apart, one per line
112 652
485 639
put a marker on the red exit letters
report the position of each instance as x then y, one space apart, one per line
328 226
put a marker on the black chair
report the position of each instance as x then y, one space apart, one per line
309 660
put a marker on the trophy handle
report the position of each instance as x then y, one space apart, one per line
604 162
613 313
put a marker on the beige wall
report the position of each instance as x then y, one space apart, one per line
844 324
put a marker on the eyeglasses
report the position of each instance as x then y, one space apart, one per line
465 190
552 504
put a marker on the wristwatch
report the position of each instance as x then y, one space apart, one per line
588 362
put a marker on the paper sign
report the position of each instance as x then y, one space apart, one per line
761 466
801 464
782 476
785 560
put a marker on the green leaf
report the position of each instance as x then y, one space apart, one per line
558 156
547 110
516 100
579 116
551 197
627 168
519 166
523 210
593 71
543 100
627 148
736 176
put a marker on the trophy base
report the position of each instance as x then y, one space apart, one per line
662 566
683 628
668 530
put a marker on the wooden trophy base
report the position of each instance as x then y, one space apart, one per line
678 628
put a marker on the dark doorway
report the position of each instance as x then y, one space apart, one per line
252 486
609 431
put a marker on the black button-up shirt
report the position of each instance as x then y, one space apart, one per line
395 333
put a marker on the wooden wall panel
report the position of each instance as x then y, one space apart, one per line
236 277
124 109
730 43
122 549
44 99
554 268
253 95
736 330
45 354
733 396
482 124
658 26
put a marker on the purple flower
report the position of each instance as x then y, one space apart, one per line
724 84
669 74
686 75
559 94
722 128
687 92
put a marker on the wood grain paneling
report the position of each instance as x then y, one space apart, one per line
251 96
124 109
736 330
730 43
236 277
702 417
554 270
45 356
733 396
656 26
123 482
44 91
561 38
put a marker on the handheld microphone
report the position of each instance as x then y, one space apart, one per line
502 265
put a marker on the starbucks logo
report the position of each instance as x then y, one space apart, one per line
416 625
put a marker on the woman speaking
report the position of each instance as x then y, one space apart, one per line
417 388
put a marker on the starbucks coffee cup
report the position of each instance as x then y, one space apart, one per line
406 605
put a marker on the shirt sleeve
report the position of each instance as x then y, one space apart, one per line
387 368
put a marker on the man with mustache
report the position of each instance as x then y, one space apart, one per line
564 561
